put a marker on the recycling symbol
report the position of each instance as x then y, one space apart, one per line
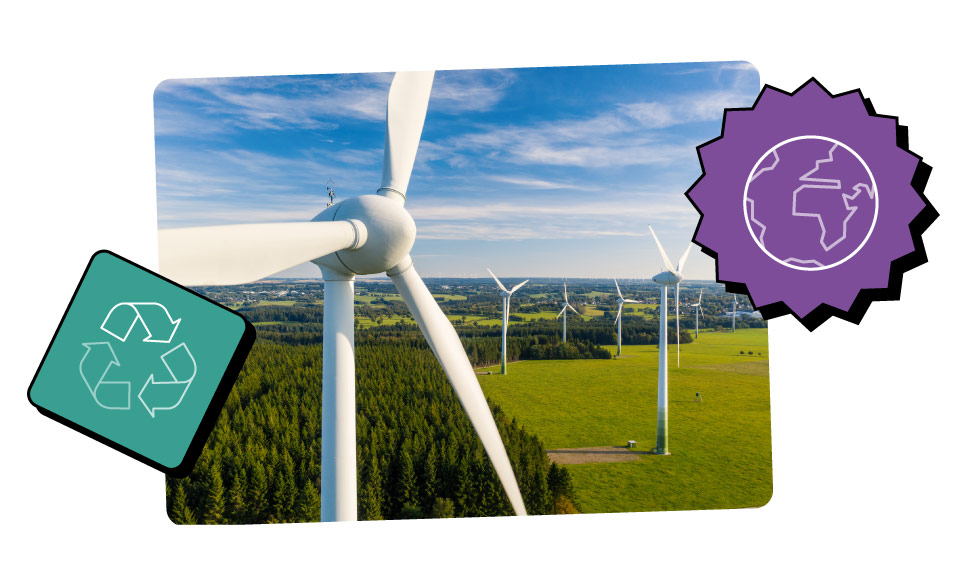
99 365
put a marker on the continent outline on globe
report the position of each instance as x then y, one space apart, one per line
809 182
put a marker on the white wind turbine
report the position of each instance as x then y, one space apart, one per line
506 295
698 310
566 305
358 236
668 277
733 317
619 322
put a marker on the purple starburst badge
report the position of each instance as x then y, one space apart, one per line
812 204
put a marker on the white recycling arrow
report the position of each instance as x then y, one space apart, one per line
155 318
166 395
95 364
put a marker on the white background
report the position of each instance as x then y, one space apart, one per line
866 434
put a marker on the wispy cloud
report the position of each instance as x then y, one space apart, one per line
454 92
701 107
300 102
538 183
310 102
616 137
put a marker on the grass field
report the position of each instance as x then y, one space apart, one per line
720 448
367 298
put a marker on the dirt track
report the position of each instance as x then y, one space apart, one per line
577 455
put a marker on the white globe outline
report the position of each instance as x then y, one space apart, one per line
874 189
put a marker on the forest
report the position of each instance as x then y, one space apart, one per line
418 455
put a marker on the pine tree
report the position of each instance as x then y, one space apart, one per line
236 499
214 502
443 508
309 507
257 494
464 492
370 499
180 513
285 493
408 484
430 478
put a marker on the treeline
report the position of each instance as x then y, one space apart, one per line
417 456
486 350
536 340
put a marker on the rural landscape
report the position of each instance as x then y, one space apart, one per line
566 411
402 381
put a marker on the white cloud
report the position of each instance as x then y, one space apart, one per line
459 91
537 183
702 107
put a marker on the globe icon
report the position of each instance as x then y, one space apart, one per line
810 203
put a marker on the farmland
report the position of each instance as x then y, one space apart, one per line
720 447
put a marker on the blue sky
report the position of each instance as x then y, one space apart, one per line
532 172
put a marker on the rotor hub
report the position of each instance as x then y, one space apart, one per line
389 235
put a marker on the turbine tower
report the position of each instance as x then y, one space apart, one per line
619 322
733 317
697 311
566 304
668 277
506 295
365 235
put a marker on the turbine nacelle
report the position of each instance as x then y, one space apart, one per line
385 229
668 278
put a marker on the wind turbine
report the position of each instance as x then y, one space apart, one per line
668 277
697 311
357 236
506 295
733 317
566 304
619 322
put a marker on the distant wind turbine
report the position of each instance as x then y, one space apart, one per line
668 277
566 304
733 317
619 322
697 311
506 295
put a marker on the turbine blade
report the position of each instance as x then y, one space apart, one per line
632 301
518 286
663 254
683 259
561 312
404 117
445 343
565 299
701 297
619 313
571 308
501 287
237 254
620 294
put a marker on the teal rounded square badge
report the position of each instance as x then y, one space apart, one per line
141 364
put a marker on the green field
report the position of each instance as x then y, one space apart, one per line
720 448
368 298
